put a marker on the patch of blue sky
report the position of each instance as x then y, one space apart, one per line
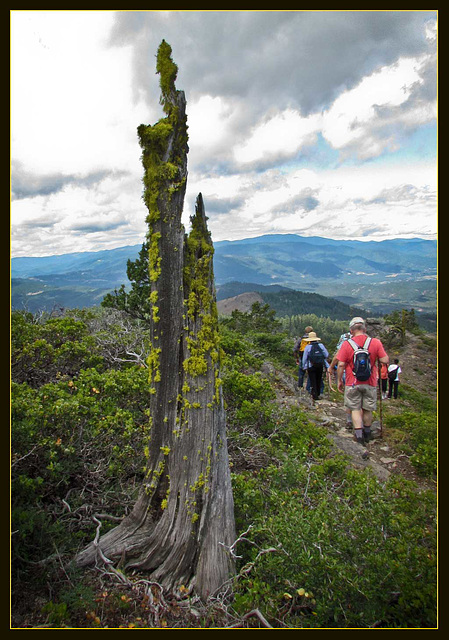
418 146
421 145
319 156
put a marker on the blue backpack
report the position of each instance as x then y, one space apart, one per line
361 360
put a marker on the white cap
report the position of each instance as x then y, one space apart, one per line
356 321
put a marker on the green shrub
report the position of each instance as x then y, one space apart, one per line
240 387
331 547
254 414
322 545
261 318
77 435
419 438
275 346
56 612
236 351
417 400
43 352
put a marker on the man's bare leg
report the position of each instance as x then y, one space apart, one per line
367 417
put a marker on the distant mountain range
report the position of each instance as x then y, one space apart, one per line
379 276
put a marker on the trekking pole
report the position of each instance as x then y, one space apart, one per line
379 391
329 381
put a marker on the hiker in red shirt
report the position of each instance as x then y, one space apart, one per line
360 396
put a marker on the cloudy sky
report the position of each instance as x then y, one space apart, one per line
309 122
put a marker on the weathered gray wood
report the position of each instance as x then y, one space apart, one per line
183 519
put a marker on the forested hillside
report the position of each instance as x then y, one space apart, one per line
325 539
290 303
378 276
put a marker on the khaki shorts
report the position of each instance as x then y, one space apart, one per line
361 396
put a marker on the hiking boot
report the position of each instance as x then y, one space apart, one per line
367 435
360 441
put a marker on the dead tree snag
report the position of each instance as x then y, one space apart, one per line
183 519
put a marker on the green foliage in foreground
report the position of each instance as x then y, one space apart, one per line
416 433
78 434
332 547
322 545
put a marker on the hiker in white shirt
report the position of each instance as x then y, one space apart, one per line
393 380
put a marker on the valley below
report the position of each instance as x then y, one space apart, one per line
378 277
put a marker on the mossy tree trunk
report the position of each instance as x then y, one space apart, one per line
184 516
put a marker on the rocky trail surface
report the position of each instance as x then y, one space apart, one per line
379 454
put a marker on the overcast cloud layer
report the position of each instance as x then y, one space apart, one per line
309 122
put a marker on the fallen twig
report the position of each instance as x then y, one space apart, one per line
104 559
247 568
254 613
25 456
231 549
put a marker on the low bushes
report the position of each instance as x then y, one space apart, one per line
324 545
331 547
321 545
416 434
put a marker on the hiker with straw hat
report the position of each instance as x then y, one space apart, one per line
314 361
298 352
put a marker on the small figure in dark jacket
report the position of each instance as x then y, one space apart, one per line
314 361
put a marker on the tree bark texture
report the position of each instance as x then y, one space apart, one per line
183 520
